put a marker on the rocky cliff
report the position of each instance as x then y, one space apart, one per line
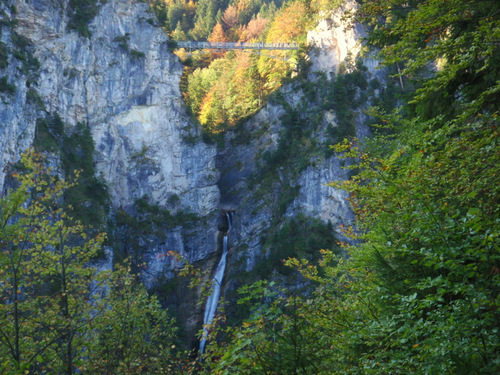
119 79
124 83
277 166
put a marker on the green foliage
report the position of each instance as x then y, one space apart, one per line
19 41
434 271
123 41
159 7
89 200
297 237
5 20
48 134
347 97
295 150
225 92
57 314
44 278
205 18
135 54
44 140
136 334
278 338
34 98
458 35
23 52
346 93
4 55
81 13
7 87
419 290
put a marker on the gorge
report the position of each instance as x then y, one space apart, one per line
146 145
333 207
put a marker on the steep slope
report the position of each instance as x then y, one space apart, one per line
276 167
122 83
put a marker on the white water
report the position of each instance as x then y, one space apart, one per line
213 299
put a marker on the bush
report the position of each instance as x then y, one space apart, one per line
4 55
7 87
89 200
298 237
81 13
135 54
34 98
44 138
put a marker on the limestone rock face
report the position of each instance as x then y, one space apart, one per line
124 83
254 213
334 40
257 216
17 113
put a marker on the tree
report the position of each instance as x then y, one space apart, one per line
424 197
230 17
287 26
254 30
134 335
46 295
178 33
51 316
205 18
284 333
419 289
218 34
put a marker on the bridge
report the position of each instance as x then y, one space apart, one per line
240 45
254 48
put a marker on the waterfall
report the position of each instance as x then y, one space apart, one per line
213 299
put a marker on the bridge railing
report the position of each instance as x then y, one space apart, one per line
239 45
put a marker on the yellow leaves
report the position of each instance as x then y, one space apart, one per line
289 24
206 107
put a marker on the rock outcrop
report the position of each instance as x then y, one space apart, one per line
299 187
334 40
123 82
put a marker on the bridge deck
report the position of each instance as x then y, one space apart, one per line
230 45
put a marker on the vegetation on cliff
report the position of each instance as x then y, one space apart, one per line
223 88
419 292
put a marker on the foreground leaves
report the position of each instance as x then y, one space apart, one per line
418 292
58 315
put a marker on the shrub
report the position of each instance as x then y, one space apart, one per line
81 13
4 55
135 54
7 87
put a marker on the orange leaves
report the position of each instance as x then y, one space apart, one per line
253 30
230 17
218 34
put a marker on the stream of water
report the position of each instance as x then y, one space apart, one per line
213 299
